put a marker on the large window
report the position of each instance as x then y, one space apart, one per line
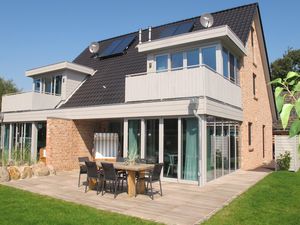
225 62
152 140
58 81
170 147
48 85
161 63
177 61
231 65
222 156
134 137
37 85
192 58
209 57
190 152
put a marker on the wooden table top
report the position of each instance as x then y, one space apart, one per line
131 167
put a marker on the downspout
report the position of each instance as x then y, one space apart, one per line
194 107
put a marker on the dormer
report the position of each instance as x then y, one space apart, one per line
52 86
60 79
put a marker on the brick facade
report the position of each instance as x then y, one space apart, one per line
256 109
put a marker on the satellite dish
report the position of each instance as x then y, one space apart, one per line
94 47
207 20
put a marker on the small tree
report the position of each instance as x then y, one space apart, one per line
288 87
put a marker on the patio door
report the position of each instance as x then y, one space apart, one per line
171 148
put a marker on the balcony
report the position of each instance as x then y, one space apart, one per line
191 82
29 101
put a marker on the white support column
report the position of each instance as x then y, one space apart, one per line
143 138
203 150
179 164
34 140
219 59
125 138
161 140
11 139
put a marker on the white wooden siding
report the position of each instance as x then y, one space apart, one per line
29 101
282 144
199 81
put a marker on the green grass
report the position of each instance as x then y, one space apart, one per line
21 207
274 200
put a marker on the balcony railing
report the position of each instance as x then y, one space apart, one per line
188 82
29 101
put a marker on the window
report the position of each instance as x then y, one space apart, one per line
192 58
231 65
177 61
225 62
263 140
58 81
37 85
237 69
48 84
161 63
209 57
249 134
254 85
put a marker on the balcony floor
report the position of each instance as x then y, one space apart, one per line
180 204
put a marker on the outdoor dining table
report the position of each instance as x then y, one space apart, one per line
131 170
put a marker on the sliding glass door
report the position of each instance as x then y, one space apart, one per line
190 152
134 137
170 147
152 140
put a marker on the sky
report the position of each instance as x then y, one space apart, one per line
36 33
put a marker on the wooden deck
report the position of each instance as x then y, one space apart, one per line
180 203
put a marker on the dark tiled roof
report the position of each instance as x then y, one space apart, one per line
111 72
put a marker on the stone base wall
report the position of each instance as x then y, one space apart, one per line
68 139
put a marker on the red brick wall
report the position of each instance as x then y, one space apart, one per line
255 110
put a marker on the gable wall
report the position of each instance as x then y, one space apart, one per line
255 110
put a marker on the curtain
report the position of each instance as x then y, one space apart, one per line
133 127
191 150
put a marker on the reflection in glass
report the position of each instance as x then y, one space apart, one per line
232 148
134 137
161 62
210 156
192 58
209 57
226 149
177 61
170 147
152 140
218 149
190 144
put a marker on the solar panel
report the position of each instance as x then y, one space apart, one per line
184 28
118 46
177 29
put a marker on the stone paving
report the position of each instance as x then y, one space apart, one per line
180 204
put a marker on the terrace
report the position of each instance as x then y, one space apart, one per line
180 203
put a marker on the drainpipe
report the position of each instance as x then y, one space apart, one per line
194 106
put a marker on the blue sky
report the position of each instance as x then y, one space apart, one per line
35 33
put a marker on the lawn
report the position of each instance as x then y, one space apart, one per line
274 200
20 207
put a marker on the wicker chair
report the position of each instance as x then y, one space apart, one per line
93 174
82 167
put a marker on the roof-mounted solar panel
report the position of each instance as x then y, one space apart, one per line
117 47
177 29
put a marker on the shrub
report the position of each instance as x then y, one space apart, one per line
284 161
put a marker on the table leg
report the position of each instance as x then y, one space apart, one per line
141 188
131 183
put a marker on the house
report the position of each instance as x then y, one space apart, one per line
192 96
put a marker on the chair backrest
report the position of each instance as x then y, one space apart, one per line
155 175
109 171
92 170
83 159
